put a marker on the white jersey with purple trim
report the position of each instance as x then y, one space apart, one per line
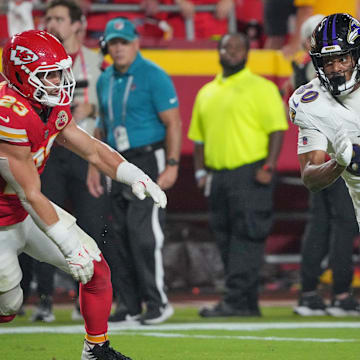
318 116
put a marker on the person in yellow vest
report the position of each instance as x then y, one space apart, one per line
237 126
307 8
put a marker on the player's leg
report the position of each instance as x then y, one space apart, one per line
345 228
95 296
10 303
315 246
11 294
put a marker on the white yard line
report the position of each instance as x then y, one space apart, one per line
233 337
75 329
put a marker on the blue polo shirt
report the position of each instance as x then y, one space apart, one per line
134 100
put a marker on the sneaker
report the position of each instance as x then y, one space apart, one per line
157 315
101 352
76 314
344 307
43 312
311 305
222 309
124 317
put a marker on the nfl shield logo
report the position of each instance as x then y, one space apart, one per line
304 140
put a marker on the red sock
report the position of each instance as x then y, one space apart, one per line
96 298
7 318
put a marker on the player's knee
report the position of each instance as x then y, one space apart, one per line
10 302
5 319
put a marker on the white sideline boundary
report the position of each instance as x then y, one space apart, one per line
159 330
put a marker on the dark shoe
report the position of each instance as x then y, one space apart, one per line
344 307
101 352
157 315
21 311
124 317
310 305
223 309
43 312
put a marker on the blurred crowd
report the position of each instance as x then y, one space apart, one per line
181 19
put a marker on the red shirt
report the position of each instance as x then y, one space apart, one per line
20 125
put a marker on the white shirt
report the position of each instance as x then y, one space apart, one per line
318 116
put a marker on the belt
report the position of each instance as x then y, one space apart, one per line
141 150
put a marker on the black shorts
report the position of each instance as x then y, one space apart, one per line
276 16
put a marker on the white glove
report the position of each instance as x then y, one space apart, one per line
81 264
342 147
146 187
78 255
140 183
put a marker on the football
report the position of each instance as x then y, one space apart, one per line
354 166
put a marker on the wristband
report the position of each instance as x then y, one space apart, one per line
200 173
63 237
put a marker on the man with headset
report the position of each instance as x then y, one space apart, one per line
139 117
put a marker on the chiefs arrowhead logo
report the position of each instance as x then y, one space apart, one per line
61 120
22 55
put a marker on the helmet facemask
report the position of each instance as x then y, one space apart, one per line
45 87
337 84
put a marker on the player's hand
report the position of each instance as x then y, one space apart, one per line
146 187
342 147
81 265
93 182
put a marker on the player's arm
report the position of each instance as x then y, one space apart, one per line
172 121
18 169
92 150
316 172
110 162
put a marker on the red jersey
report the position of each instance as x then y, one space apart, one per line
20 125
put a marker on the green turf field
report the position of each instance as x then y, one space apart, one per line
277 335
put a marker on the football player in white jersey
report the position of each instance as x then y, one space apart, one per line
327 109
35 112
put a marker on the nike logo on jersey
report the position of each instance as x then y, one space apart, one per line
295 104
172 100
5 119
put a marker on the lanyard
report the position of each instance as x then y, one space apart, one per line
124 100
84 71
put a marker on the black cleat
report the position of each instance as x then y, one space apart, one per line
310 305
348 306
222 309
101 352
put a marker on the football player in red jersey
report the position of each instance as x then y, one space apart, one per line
35 112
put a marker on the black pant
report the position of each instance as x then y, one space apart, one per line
241 218
331 230
64 182
136 258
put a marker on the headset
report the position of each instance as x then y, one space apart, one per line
102 42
